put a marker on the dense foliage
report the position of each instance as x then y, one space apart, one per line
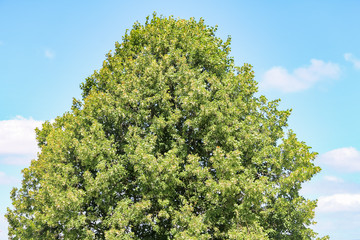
169 141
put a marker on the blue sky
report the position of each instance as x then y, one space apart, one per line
304 52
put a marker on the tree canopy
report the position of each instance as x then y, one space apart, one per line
169 141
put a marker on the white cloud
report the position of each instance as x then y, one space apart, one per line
8 180
301 78
350 58
49 54
3 226
342 159
339 203
328 185
15 159
17 136
333 179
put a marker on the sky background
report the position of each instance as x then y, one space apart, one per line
304 52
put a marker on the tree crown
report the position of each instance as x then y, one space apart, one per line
168 141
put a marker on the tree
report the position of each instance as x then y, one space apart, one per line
169 141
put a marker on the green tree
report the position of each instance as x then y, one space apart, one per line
168 142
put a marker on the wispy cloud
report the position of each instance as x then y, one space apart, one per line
301 78
333 179
350 58
328 185
342 159
339 203
49 54
8 180
17 159
3 226
17 136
